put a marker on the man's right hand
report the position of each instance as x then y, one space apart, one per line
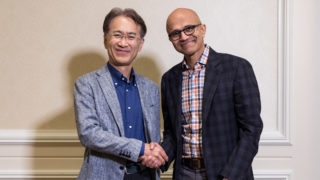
154 156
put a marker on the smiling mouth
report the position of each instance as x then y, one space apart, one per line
188 41
122 51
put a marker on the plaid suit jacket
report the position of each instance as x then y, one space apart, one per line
231 126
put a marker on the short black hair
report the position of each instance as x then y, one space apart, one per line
128 12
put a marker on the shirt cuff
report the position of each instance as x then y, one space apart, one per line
142 150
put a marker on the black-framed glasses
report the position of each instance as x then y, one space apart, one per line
187 30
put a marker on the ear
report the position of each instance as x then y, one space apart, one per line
203 29
141 44
105 41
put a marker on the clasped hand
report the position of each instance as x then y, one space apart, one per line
154 156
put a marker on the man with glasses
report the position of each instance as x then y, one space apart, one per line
211 107
117 110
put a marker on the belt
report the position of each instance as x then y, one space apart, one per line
193 163
133 168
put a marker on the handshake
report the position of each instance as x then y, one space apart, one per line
154 156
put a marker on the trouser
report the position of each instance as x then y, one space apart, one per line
190 174
144 175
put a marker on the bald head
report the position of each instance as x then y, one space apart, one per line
186 33
182 15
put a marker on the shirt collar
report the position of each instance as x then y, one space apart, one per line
118 77
202 60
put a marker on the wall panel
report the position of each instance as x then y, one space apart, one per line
45 45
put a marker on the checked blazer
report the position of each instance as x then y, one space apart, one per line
231 122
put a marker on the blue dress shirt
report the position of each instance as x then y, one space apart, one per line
129 99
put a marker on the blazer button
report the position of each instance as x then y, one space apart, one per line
121 167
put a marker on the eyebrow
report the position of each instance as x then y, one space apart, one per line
183 27
130 33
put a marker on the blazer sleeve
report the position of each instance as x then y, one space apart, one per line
247 108
90 132
168 144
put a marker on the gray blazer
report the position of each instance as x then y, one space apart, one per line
100 126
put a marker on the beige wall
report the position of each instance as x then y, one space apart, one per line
45 45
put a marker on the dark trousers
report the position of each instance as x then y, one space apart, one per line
144 175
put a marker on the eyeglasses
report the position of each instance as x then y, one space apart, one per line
187 30
130 37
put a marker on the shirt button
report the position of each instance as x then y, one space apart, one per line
130 127
115 83
127 90
123 79
129 107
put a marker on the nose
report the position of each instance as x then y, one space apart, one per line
123 42
183 36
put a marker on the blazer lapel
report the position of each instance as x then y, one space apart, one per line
144 94
107 86
212 78
176 90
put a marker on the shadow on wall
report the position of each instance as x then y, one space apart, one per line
54 158
147 67
79 64
49 157
83 63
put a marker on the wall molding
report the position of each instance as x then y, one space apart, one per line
37 174
282 135
38 136
72 174
272 175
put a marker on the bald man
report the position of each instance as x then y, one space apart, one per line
211 107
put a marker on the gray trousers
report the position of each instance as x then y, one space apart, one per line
190 174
